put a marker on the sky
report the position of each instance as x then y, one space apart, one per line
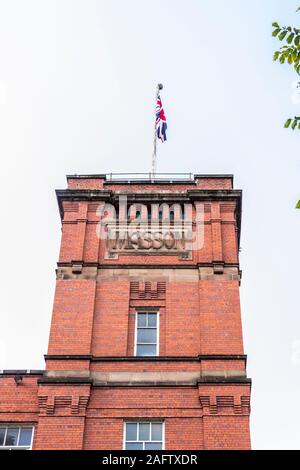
77 86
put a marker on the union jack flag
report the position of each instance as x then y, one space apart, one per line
161 123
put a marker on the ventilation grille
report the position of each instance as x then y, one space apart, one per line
147 290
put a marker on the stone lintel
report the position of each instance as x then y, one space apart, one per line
172 274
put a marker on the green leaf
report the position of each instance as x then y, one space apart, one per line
288 123
282 35
297 41
298 9
294 125
275 25
276 55
298 205
275 32
295 55
290 59
282 59
290 38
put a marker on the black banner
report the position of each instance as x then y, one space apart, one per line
133 459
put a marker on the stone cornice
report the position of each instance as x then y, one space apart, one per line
60 380
201 357
80 195
23 372
187 265
65 380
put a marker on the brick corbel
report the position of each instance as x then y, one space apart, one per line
77 267
214 405
66 401
68 405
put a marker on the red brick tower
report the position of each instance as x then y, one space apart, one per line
145 348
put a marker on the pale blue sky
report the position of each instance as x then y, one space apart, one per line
77 83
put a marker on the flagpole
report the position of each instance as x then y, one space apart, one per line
154 154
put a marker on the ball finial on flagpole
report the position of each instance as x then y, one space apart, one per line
160 86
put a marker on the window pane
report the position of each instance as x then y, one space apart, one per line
131 432
156 432
145 335
144 432
25 437
11 436
152 319
134 446
146 350
2 434
142 318
153 446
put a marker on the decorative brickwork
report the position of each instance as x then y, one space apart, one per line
69 405
147 290
225 404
